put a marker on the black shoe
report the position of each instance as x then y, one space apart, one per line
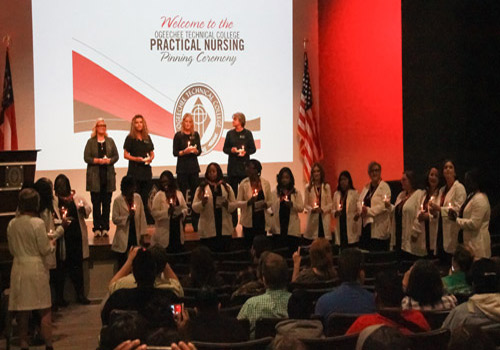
83 300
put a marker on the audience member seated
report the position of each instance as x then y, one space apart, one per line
165 276
253 287
287 343
300 325
163 336
484 306
350 296
455 282
466 337
424 288
321 263
202 271
136 345
143 268
260 244
208 324
123 326
388 296
380 337
274 302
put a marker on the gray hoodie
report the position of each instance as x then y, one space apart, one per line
480 309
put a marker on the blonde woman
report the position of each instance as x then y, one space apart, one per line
100 155
187 148
139 150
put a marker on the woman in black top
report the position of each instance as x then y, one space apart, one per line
139 150
187 148
239 145
100 154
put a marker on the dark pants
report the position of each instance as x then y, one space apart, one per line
101 203
189 182
143 187
234 182
72 267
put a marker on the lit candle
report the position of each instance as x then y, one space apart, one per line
243 147
171 201
286 197
64 212
133 207
385 197
431 199
255 192
80 203
362 204
189 144
315 205
421 207
206 193
449 205
340 206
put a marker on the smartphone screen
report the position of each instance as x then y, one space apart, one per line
176 309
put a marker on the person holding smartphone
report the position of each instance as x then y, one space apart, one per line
321 269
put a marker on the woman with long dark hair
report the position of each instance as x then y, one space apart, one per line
405 210
345 208
426 223
129 218
169 208
451 196
139 150
214 201
187 149
287 204
318 204
76 244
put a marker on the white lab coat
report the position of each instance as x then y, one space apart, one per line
206 225
353 227
294 223
313 218
475 222
419 226
160 213
456 196
244 195
121 219
378 215
411 241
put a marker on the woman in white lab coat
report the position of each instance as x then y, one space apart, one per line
318 204
169 209
129 218
214 201
345 208
451 196
287 204
404 213
254 197
29 279
376 218
473 218
426 224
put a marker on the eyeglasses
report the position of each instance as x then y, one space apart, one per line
99 125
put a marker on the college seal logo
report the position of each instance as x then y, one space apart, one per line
208 114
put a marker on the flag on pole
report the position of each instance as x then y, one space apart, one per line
8 129
309 143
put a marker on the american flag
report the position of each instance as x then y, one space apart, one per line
8 130
309 143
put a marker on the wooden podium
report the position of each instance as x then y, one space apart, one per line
17 168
